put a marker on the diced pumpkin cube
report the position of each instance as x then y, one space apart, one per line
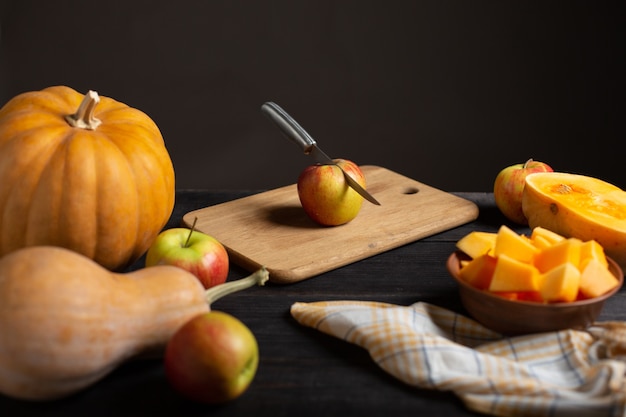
513 275
567 250
533 296
596 279
512 244
591 249
541 242
478 271
546 235
477 243
560 284
509 295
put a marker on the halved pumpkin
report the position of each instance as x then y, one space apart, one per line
578 206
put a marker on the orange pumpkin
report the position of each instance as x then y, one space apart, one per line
83 172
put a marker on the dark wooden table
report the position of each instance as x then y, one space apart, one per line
303 372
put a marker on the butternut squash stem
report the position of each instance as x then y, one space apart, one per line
259 278
84 118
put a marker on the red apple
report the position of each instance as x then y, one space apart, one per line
509 187
325 195
212 358
201 254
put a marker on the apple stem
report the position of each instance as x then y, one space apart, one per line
527 162
259 277
193 227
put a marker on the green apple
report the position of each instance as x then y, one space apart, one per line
212 358
509 186
201 254
325 195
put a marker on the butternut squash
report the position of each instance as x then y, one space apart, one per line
66 321
578 206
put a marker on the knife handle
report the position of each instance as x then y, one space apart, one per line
289 126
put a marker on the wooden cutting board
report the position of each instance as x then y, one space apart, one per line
271 229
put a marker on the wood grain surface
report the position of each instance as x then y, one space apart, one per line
271 228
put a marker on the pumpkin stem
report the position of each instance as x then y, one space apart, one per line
259 278
84 118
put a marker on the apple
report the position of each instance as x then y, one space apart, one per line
325 195
509 187
212 358
201 254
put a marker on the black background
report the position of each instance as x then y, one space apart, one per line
447 92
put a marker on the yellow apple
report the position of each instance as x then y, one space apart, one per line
325 195
509 187
201 254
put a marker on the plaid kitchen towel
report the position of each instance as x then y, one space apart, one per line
562 373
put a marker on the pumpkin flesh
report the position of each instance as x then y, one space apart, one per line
105 192
578 206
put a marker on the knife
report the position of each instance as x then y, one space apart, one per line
300 137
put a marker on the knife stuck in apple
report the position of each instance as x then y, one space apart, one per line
297 134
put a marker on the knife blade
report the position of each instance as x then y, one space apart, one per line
301 137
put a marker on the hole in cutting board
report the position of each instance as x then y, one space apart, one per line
411 190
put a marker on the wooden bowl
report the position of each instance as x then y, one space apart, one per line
513 317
